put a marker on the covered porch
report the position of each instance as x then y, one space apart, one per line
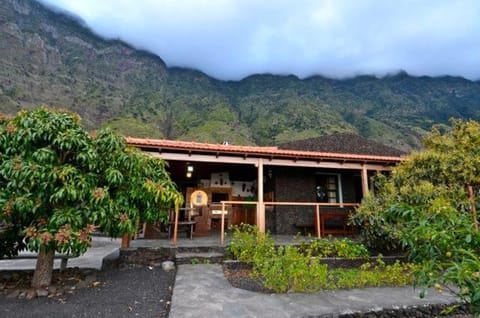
281 191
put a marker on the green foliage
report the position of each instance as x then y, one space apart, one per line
289 270
249 244
372 275
138 188
344 248
424 207
47 176
59 183
295 268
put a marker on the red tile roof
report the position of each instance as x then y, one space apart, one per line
268 152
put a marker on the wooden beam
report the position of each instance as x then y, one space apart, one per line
260 205
175 226
314 163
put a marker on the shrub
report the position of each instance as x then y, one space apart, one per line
249 244
345 248
289 270
294 268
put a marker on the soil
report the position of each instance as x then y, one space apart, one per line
130 292
243 279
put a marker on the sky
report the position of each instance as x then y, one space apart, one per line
232 39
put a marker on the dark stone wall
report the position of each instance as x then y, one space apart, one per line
145 256
298 185
348 187
294 185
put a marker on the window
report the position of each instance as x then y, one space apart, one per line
328 188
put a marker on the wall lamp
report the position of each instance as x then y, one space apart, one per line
189 170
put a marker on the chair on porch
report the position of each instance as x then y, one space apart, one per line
185 222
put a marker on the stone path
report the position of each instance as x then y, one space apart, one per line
202 291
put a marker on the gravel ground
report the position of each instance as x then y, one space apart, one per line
133 292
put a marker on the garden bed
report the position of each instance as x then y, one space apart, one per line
240 274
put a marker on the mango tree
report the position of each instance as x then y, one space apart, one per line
57 188
427 206
138 187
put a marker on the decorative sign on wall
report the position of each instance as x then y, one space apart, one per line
243 189
220 179
199 198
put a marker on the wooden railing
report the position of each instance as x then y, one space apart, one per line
316 205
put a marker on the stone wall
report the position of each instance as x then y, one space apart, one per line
145 256
298 185
294 185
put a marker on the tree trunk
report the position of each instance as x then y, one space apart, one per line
125 240
42 276
471 196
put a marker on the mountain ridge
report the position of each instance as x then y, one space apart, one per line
51 58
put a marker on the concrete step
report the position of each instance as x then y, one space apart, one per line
198 258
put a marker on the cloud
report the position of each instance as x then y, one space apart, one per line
231 39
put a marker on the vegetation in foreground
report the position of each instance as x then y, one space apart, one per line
428 207
59 184
298 268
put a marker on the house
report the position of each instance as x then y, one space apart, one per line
284 189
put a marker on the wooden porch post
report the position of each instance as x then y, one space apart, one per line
222 225
175 226
364 181
260 205
317 220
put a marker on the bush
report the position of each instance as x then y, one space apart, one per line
294 268
345 248
249 244
289 270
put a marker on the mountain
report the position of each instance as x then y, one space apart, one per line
49 57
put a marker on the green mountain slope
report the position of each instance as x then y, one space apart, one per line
51 58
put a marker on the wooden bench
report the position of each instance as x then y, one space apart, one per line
341 217
63 258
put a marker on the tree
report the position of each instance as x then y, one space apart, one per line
426 207
57 186
139 188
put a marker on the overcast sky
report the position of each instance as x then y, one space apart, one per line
231 39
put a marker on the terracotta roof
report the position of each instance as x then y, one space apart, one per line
269 152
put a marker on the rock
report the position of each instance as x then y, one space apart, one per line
52 290
42 292
30 293
168 266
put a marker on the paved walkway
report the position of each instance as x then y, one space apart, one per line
202 291
101 247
